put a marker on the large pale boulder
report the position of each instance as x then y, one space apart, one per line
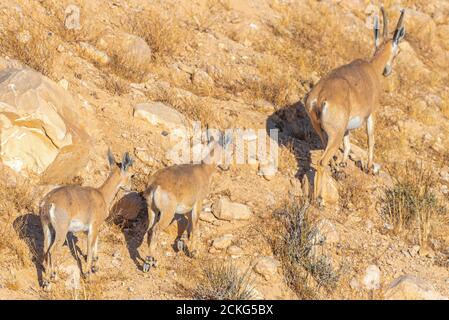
39 126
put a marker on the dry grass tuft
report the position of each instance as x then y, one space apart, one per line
15 200
115 84
223 281
31 46
410 204
165 36
305 271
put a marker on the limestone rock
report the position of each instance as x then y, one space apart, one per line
159 114
266 266
95 55
72 17
222 242
40 129
234 251
224 209
371 280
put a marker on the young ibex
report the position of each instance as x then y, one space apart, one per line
181 189
348 96
74 209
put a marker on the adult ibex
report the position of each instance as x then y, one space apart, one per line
348 96
76 208
181 189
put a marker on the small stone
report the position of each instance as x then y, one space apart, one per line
94 54
64 84
376 168
266 267
413 251
354 284
234 251
222 242
72 17
268 169
200 78
327 232
224 209
371 280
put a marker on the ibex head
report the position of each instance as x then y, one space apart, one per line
388 48
121 170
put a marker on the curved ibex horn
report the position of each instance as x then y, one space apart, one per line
376 31
400 21
385 21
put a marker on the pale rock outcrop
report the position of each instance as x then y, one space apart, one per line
159 114
39 126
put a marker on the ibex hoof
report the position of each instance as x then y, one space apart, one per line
146 267
46 285
180 245
94 269
149 262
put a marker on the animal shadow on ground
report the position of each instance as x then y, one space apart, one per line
28 228
296 132
130 214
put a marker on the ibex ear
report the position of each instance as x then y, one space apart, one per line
376 31
126 162
111 158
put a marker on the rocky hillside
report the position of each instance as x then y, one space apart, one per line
79 77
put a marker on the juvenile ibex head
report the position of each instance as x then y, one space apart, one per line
388 48
121 170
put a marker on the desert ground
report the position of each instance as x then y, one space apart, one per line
78 77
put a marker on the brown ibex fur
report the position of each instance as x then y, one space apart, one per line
180 189
76 208
348 96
